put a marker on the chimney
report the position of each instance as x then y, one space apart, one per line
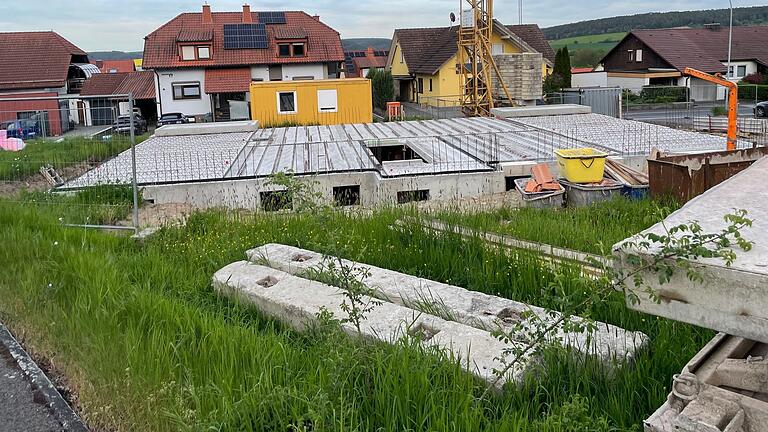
207 16
369 52
247 17
317 17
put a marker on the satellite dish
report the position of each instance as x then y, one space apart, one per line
453 17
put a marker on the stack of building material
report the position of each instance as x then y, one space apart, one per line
624 174
542 180
521 73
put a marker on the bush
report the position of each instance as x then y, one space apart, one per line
382 86
755 78
718 111
753 92
652 94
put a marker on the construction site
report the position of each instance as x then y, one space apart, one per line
333 273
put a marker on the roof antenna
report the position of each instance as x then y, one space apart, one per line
520 10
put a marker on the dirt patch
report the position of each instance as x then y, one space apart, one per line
38 183
158 215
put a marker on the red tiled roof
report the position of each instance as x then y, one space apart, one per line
119 66
161 51
141 84
227 80
35 59
194 35
370 62
290 33
578 70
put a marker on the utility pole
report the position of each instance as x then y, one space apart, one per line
520 10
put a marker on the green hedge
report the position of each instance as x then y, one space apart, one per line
752 92
664 94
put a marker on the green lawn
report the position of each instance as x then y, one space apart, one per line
141 336
602 41
68 152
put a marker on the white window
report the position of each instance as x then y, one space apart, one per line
639 56
187 53
286 102
498 49
402 57
190 90
741 71
631 55
203 52
327 101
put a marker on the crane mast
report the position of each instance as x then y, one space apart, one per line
475 58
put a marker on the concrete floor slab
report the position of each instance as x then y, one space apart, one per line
476 309
297 302
732 299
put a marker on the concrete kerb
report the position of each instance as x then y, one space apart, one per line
43 386
297 302
606 342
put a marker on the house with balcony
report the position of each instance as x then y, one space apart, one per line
658 58
205 62
42 64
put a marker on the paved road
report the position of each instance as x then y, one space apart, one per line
18 410
745 110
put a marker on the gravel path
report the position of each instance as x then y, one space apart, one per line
18 409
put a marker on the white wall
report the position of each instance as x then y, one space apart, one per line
634 84
188 107
315 70
591 79
260 73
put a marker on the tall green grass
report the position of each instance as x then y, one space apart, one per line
149 346
591 229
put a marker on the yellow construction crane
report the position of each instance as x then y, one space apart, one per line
475 58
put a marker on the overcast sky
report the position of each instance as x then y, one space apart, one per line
100 25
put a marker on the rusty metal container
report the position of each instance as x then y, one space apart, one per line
685 177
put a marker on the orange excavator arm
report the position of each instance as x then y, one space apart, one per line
733 100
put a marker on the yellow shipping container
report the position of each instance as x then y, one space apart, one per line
315 102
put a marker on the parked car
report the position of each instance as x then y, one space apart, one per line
24 129
761 109
123 124
172 118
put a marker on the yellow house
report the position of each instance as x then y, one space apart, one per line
424 61
314 102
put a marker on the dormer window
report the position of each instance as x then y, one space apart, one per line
294 49
195 52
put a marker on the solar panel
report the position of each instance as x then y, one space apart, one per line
245 36
272 17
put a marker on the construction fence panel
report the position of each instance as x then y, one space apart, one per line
49 144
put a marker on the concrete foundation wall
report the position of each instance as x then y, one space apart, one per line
374 190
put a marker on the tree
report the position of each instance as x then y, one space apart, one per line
382 86
563 66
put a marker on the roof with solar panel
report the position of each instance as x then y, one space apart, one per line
241 39
355 61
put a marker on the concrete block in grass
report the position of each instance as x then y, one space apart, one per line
297 302
607 342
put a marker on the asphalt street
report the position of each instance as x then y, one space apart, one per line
18 410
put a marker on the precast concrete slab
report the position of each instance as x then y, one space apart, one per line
541 110
607 342
297 302
723 388
731 298
207 128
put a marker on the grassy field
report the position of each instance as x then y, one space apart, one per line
593 229
66 153
147 345
597 42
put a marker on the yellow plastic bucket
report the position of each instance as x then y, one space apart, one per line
583 165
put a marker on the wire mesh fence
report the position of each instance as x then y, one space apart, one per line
49 143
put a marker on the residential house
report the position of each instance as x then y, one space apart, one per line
104 110
38 65
116 66
359 63
424 61
205 62
659 57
